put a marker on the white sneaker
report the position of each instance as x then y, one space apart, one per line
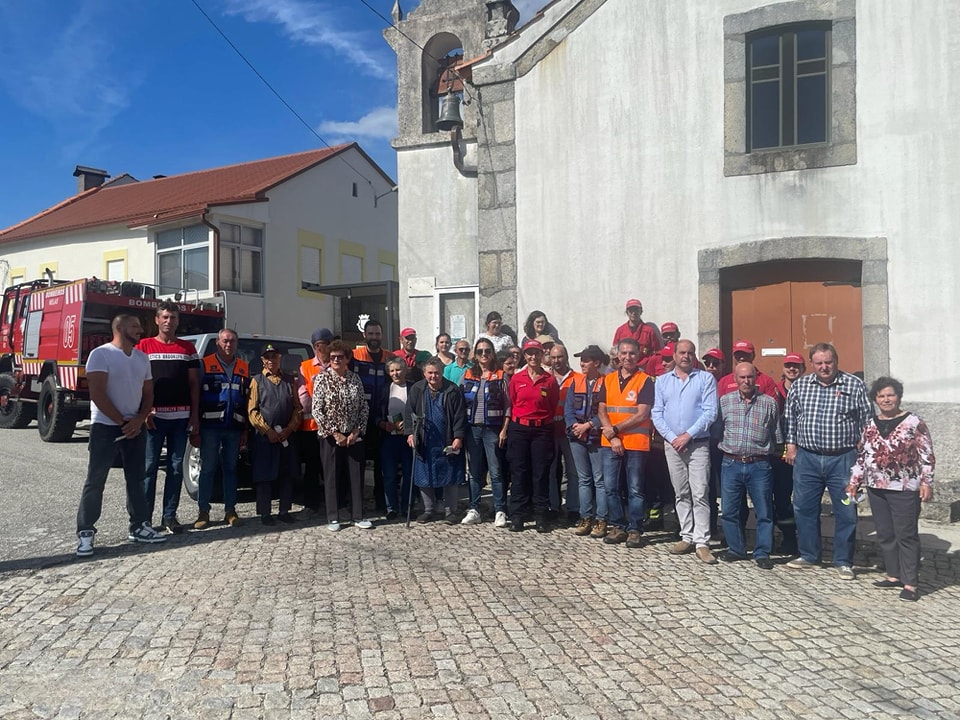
501 519
471 518
334 526
85 545
364 524
146 534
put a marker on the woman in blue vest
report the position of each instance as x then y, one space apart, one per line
485 393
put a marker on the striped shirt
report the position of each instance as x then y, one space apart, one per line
750 427
827 418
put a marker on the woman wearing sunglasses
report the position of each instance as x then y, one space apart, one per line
341 411
485 393
534 396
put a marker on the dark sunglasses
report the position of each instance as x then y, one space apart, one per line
462 349
484 351
796 366
711 362
338 357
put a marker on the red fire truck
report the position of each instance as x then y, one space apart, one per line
47 330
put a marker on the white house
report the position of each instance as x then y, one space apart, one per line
784 172
260 233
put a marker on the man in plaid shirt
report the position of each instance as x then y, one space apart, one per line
750 424
826 413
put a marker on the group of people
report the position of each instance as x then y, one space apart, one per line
644 425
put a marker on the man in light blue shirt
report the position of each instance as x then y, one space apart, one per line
685 405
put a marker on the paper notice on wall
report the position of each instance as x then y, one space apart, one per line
773 352
458 327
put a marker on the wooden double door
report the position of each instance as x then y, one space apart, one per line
793 315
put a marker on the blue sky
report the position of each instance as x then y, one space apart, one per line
149 87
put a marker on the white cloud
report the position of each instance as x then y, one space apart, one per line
378 124
315 24
63 73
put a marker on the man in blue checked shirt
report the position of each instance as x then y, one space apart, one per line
826 413
684 407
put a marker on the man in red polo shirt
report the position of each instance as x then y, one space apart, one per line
637 329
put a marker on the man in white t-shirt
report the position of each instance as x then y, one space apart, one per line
121 396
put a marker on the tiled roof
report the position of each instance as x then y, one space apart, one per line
170 198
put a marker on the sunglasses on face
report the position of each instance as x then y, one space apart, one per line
711 362
338 357
793 366
462 349
484 351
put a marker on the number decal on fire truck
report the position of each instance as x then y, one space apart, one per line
69 330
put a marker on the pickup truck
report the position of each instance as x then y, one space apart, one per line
295 351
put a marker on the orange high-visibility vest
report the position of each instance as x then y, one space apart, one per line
622 405
564 387
308 371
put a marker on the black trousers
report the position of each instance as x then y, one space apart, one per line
337 460
371 443
309 449
273 465
895 515
530 453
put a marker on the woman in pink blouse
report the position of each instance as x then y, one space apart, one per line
896 464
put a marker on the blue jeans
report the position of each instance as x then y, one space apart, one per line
103 447
590 474
634 461
395 452
174 433
484 454
812 473
737 480
218 447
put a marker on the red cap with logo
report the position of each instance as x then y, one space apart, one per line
794 358
744 346
407 332
633 302
667 351
715 353
529 344
669 327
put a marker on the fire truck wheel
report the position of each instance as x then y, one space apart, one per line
55 423
13 412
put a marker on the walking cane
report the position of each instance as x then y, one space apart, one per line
413 474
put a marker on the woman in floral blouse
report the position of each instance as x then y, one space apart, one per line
341 412
896 464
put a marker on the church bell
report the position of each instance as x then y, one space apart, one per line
450 118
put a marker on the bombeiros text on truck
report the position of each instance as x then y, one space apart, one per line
48 329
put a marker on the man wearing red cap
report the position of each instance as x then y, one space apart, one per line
635 328
713 362
743 351
793 367
408 352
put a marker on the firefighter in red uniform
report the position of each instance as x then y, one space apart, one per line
637 329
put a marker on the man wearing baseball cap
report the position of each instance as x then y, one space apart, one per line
743 351
640 331
793 367
410 355
275 413
713 362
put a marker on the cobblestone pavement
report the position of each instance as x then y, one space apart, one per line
437 621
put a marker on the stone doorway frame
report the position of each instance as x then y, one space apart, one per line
871 252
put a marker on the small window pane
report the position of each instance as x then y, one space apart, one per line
309 266
251 236
250 271
195 234
169 239
765 115
115 270
811 109
196 276
769 73
765 51
230 233
228 269
811 67
811 44
169 270
387 271
351 269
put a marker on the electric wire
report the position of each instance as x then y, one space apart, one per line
272 89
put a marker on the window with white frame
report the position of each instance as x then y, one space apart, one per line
241 259
183 259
